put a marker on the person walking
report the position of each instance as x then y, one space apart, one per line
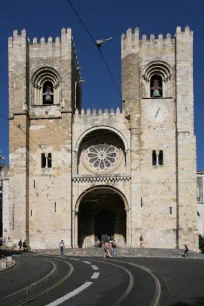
113 243
20 244
186 250
4 240
24 245
141 241
61 248
107 250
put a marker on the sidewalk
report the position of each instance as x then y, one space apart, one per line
6 263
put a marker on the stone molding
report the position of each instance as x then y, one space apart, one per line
102 178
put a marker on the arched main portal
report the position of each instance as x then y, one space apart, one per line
101 213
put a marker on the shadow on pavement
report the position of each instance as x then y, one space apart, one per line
196 302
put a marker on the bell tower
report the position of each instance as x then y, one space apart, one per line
44 92
157 87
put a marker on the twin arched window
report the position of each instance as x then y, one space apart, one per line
46 86
157 80
157 158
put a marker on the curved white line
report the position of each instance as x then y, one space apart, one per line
157 296
70 294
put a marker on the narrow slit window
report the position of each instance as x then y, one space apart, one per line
154 158
43 160
170 210
198 194
161 158
49 160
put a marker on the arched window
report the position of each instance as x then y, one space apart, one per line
48 93
156 86
46 87
157 80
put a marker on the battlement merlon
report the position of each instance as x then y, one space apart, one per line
132 44
60 46
98 113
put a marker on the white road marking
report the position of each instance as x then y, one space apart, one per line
94 267
87 262
74 258
70 295
95 275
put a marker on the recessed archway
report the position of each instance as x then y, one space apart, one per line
101 213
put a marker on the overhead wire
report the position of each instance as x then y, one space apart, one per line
105 62
100 52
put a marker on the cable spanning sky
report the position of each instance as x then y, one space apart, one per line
103 19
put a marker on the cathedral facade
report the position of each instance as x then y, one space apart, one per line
77 175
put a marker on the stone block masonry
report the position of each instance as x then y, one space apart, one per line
77 175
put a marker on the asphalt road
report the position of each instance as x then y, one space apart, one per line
54 280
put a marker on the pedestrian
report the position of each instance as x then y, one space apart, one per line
186 250
97 243
4 240
141 241
107 249
113 248
61 248
24 245
20 244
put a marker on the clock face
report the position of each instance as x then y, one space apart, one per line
156 112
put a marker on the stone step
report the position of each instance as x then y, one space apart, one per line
124 252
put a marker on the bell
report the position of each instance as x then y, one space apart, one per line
156 93
48 97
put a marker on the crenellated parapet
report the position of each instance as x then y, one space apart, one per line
50 60
131 42
51 47
98 113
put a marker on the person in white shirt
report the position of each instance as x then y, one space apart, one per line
61 244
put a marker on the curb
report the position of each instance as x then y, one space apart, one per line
7 268
120 256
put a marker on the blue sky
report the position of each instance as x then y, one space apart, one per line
104 18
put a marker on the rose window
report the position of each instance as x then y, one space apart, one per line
102 157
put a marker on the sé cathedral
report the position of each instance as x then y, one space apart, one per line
77 175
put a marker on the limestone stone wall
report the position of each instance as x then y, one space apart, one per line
164 205
50 188
5 201
40 199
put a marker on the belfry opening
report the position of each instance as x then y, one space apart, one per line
101 214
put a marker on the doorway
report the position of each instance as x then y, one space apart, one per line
101 214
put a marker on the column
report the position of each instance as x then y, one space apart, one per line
75 228
128 227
